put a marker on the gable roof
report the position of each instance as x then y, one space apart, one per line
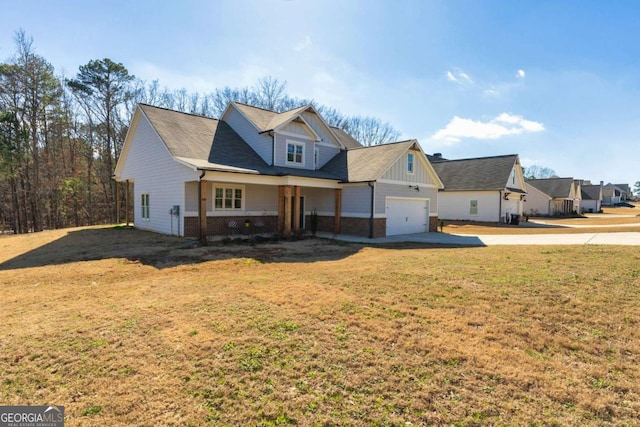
211 144
591 192
557 188
370 163
347 140
479 174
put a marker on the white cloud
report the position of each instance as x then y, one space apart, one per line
520 74
458 76
503 125
305 44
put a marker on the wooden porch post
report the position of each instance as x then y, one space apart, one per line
202 213
287 210
338 212
296 208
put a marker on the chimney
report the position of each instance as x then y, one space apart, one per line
437 155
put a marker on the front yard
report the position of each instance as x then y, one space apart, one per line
124 327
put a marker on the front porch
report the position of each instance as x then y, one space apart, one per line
215 208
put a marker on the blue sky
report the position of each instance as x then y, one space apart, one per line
557 82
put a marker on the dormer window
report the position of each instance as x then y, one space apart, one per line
410 163
295 153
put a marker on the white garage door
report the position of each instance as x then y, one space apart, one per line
406 216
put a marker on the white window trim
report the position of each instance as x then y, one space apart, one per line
233 188
294 143
471 207
413 163
148 207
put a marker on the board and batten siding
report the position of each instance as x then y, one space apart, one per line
156 173
261 143
398 172
384 190
456 205
323 132
281 151
298 129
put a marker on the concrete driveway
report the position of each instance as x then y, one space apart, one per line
626 238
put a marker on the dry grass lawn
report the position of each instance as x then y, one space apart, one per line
615 220
124 327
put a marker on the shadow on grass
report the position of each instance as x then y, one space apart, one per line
161 251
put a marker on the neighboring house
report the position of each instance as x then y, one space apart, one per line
489 189
626 190
259 171
591 198
612 194
552 196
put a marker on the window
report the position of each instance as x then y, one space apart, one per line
145 206
473 207
228 198
513 176
409 163
295 153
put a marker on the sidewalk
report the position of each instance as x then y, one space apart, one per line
626 238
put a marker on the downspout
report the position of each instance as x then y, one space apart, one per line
273 148
499 206
373 194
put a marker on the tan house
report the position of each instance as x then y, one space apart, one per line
552 196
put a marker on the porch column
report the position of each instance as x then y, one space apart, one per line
338 211
296 208
286 230
202 213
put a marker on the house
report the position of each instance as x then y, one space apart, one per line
591 198
552 196
615 193
489 189
255 170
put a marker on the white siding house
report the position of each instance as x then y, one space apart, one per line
260 171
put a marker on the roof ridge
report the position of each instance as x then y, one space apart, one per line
478 158
178 111
267 110
381 145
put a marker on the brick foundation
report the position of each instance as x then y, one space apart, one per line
220 225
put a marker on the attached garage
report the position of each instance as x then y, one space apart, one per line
407 215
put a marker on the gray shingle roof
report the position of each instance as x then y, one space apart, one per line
366 163
266 120
211 144
556 188
346 139
590 192
480 174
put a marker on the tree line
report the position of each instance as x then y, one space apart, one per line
60 137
